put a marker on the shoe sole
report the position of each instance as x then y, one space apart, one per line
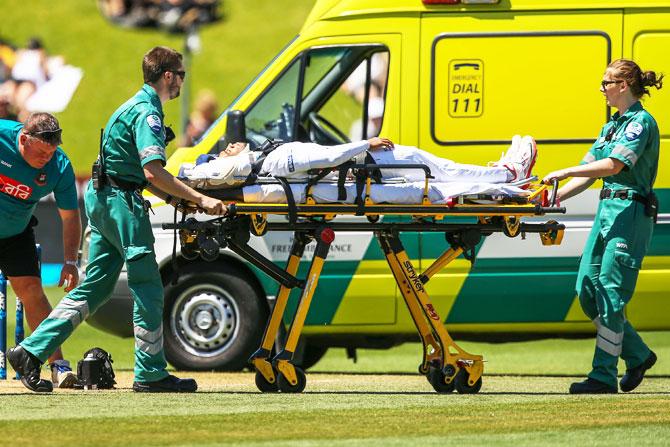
161 390
594 392
46 389
533 155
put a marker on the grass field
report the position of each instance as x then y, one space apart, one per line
523 402
233 53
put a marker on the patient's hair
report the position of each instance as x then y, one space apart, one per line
159 60
637 80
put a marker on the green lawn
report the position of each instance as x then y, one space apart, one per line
346 403
233 52
553 357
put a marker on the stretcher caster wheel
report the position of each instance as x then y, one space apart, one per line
436 379
423 369
462 386
264 386
287 387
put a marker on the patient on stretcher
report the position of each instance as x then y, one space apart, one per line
293 160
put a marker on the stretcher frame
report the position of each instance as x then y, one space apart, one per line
446 366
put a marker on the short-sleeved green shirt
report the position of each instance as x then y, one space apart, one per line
134 136
22 186
633 139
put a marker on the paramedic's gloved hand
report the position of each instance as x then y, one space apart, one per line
212 206
379 144
559 175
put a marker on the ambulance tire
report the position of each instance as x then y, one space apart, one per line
213 318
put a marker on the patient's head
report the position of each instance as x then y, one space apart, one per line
233 149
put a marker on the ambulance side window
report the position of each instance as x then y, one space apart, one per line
273 113
321 96
365 85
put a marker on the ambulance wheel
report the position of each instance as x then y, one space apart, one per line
287 387
213 318
436 379
462 386
264 386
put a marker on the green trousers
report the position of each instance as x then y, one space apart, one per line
606 281
120 232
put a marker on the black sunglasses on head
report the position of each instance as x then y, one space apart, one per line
48 136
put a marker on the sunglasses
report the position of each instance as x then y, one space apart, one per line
181 74
604 84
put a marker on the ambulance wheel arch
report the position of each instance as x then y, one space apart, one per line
213 317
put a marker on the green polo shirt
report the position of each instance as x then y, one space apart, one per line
134 136
633 139
22 186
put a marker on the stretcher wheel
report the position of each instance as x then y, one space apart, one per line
436 379
287 387
264 386
462 386
423 369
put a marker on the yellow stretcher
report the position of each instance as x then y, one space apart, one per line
445 364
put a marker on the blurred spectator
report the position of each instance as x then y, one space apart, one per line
29 71
7 111
203 115
31 81
172 15
7 60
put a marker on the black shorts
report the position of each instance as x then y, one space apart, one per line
18 255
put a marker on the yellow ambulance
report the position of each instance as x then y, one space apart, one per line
457 78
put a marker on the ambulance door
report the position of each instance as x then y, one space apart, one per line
486 76
335 91
646 41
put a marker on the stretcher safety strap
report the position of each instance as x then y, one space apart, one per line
290 200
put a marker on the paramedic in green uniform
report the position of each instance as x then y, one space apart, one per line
32 166
133 154
625 156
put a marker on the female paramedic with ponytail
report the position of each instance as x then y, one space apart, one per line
625 156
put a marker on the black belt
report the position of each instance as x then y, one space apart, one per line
622 194
124 184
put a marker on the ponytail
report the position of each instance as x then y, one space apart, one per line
637 80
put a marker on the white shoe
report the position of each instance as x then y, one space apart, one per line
520 157
62 375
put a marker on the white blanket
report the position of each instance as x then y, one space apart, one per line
398 193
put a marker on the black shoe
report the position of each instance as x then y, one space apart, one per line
592 386
28 367
170 384
634 376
